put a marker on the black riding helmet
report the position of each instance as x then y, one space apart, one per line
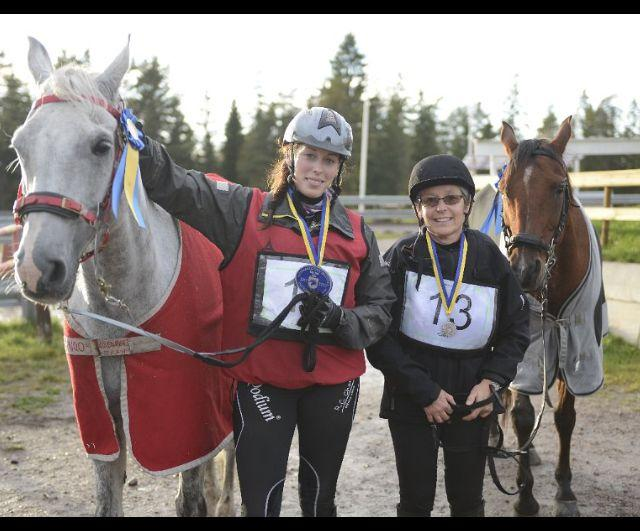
440 169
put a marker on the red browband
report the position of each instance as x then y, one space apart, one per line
55 99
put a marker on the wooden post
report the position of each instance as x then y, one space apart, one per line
604 234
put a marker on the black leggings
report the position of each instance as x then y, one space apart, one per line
264 419
416 449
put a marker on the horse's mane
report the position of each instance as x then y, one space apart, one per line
73 83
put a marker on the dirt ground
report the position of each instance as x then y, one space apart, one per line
44 471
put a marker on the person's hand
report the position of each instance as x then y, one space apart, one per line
480 392
319 311
440 409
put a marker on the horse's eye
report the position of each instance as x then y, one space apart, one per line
102 147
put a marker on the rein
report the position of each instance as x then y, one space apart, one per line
207 357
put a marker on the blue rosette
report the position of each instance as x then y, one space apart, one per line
133 136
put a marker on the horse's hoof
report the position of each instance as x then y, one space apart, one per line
225 509
534 457
528 508
567 508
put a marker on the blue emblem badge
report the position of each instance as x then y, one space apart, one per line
313 279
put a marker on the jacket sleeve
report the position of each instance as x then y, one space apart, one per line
217 209
388 355
512 338
371 317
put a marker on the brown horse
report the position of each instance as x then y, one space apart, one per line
547 239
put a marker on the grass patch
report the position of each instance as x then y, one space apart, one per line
13 448
33 374
624 241
32 404
621 365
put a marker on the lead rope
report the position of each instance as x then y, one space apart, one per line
498 451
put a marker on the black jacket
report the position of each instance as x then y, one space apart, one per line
416 372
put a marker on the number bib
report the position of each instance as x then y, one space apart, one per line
276 286
424 318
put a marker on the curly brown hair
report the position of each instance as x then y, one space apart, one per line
278 178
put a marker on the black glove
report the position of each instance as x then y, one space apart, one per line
319 311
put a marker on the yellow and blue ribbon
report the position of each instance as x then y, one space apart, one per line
316 254
127 177
448 299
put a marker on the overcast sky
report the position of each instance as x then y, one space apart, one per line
459 59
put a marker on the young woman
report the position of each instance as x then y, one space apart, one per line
266 240
460 327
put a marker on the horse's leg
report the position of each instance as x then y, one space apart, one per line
565 419
523 416
226 506
190 498
110 478
218 483
534 456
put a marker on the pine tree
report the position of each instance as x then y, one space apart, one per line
481 127
600 122
259 147
398 144
182 143
343 92
206 159
513 105
632 129
549 126
232 145
160 112
66 59
377 175
15 102
457 132
425 141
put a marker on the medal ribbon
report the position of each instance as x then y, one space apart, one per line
127 178
316 254
448 300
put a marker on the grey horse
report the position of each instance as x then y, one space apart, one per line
69 149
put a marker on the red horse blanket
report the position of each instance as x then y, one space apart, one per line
176 410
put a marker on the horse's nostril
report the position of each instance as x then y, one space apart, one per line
54 273
537 267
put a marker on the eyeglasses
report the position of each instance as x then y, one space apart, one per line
433 201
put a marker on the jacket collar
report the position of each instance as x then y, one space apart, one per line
338 217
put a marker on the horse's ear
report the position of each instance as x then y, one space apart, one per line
39 61
508 139
563 136
109 81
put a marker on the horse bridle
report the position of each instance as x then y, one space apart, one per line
65 206
524 239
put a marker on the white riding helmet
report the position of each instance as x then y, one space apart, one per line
322 128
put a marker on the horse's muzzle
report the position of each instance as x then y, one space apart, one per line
529 269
